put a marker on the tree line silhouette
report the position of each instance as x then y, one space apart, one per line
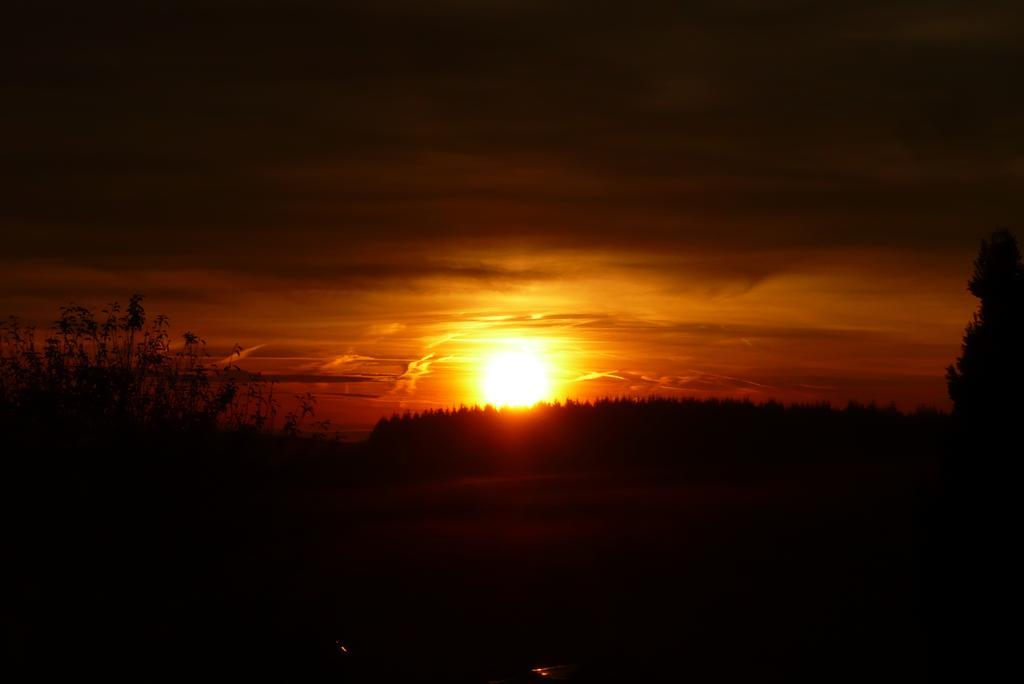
708 437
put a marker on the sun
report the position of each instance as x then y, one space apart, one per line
515 378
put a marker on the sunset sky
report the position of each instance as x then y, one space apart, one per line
774 200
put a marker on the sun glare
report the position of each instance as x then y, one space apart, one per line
518 378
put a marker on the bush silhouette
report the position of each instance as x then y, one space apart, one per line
987 379
115 371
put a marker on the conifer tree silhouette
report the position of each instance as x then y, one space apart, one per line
987 380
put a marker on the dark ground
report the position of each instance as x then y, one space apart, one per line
628 543
259 557
791 578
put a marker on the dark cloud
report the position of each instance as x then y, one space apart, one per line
225 132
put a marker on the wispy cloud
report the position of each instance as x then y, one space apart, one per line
596 375
405 384
344 360
239 354
691 381
317 379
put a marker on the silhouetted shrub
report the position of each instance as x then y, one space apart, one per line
988 377
116 371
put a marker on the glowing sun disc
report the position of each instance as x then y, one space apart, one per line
515 379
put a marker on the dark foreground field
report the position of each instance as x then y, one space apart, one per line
260 556
801 576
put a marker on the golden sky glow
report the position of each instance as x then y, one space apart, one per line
862 325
